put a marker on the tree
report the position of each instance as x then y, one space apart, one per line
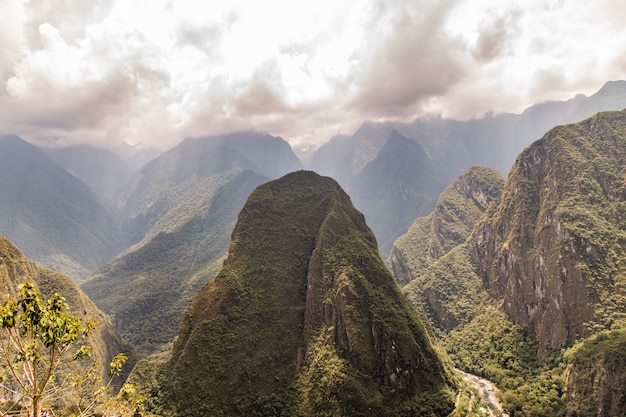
41 345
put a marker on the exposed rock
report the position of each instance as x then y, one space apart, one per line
303 316
550 249
596 376
458 209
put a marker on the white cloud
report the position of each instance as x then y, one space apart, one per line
155 71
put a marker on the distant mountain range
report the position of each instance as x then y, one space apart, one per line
450 147
52 216
521 277
106 173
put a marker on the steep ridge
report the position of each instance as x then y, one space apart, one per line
304 319
553 248
146 289
15 269
399 184
54 217
431 259
458 209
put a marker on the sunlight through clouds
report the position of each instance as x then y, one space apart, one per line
154 72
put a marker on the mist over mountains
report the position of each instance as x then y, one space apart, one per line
143 243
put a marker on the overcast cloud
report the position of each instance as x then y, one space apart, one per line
151 72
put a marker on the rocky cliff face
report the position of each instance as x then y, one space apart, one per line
596 376
303 318
458 209
552 249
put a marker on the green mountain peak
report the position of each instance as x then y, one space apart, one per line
304 317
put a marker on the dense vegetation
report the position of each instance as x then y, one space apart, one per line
597 374
549 253
146 290
304 319
60 323
452 221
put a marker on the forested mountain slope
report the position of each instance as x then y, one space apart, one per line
458 209
145 290
304 319
15 269
54 218
543 270
179 214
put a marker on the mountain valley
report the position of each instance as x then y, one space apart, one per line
248 283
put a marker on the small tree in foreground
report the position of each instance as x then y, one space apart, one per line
41 345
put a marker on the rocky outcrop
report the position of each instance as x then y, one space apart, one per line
551 248
458 209
596 376
303 317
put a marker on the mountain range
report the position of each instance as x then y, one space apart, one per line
518 277
548 252
450 146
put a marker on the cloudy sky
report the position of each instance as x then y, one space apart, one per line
150 72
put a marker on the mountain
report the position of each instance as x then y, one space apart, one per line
541 272
170 178
343 157
455 145
399 184
452 147
431 261
15 269
55 218
178 216
458 209
103 171
146 289
552 247
304 319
